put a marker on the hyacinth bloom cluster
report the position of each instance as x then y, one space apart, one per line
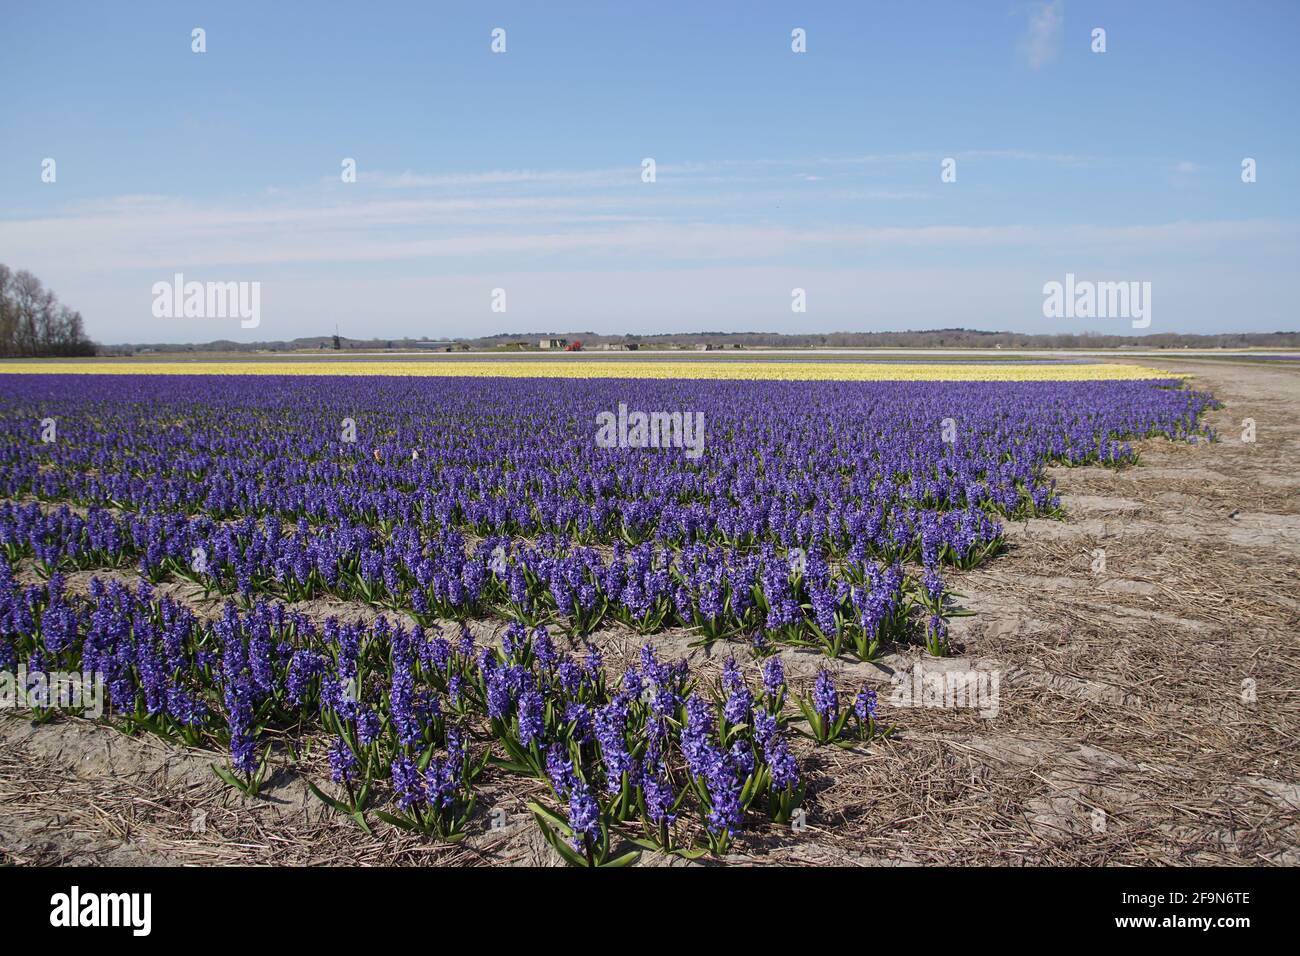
635 751
721 592
142 649
821 513
413 714
829 466
259 494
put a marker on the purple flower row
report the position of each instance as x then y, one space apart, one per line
409 707
829 466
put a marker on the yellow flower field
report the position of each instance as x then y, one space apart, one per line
781 371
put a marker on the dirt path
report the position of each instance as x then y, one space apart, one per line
1145 658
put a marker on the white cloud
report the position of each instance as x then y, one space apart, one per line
455 234
312 245
1043 38
732 171
501 177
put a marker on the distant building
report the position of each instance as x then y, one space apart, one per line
435 346
554 343
704 347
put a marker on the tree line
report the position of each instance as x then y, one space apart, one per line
34 323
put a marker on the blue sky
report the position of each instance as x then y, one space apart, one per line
774 170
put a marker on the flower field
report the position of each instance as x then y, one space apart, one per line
802 371
826 507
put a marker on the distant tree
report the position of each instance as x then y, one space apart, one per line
34 323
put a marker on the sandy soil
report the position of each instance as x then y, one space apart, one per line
1147 707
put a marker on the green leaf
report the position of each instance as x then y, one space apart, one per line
395 821
648 844
328 800
230 778
570 855
550 816
625 860
693 854
512 766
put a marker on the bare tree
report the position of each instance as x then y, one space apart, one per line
33 323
